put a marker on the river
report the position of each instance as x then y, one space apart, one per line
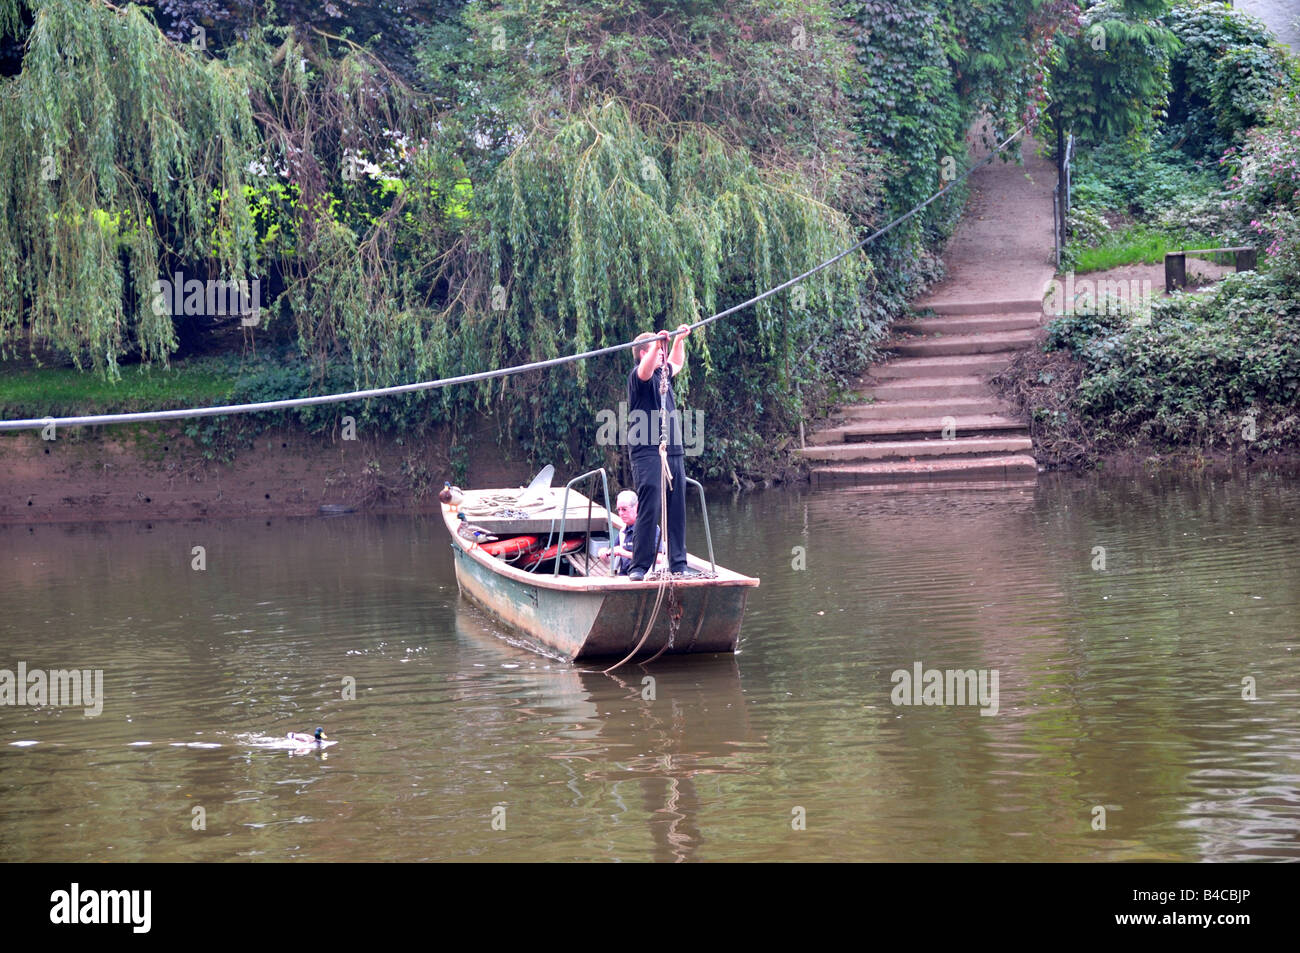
1143 633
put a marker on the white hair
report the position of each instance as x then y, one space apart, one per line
627 496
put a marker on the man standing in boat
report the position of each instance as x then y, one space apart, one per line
647 404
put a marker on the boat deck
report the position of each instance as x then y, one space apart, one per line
539 516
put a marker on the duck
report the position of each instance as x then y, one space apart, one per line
451 495
477 534
302 739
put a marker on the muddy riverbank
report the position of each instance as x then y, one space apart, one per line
136 473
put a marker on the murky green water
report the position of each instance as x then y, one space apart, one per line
1119 688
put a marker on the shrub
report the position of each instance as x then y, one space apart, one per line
1202 363
1223 75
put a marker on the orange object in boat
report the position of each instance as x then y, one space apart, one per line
550 552
513 546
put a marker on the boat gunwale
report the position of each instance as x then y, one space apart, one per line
608 584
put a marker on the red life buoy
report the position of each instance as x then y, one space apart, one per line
513 546
550 552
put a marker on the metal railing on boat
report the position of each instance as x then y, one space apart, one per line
604 480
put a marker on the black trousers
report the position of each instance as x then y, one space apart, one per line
647 472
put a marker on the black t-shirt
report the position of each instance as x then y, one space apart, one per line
644 416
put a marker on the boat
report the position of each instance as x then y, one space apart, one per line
568 602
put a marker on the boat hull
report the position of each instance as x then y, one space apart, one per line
608 621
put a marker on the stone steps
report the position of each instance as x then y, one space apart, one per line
1004 306
963 365
908 450
938 376
936 407
998 468
965 425
969 325
942 345
963 332
927 388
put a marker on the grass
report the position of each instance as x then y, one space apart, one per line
1132 245
58 391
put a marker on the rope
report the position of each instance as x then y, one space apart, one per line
289 404
665 479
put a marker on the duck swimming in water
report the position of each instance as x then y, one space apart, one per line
299 738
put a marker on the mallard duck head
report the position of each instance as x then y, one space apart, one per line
320 734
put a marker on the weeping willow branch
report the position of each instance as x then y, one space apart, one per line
611 222
371 216
117 146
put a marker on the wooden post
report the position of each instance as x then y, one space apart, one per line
1175 271
1245 259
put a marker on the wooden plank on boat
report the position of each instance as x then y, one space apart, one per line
480 505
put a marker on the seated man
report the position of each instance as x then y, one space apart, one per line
622 548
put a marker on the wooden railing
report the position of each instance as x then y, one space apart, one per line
1176 263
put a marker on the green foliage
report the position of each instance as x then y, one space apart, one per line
925 69
909 110
1264 185
359 200
1001 54
1242 90
1085 327
1110 80
1087 226
1132 245
1223 76
607 224
108 123
1188 375
1120 203
1111 178
764 74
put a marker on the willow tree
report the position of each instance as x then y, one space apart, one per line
119 148
608 222
373 204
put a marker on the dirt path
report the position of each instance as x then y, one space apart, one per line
1002 250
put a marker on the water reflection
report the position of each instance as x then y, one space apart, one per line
657 727
1121 687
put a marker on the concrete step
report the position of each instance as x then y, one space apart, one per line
965 425
1016 468
1007 306
976 325
927 388
964 365
994 486
909 449
934 407
953 344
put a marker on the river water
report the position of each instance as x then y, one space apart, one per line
1125 619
